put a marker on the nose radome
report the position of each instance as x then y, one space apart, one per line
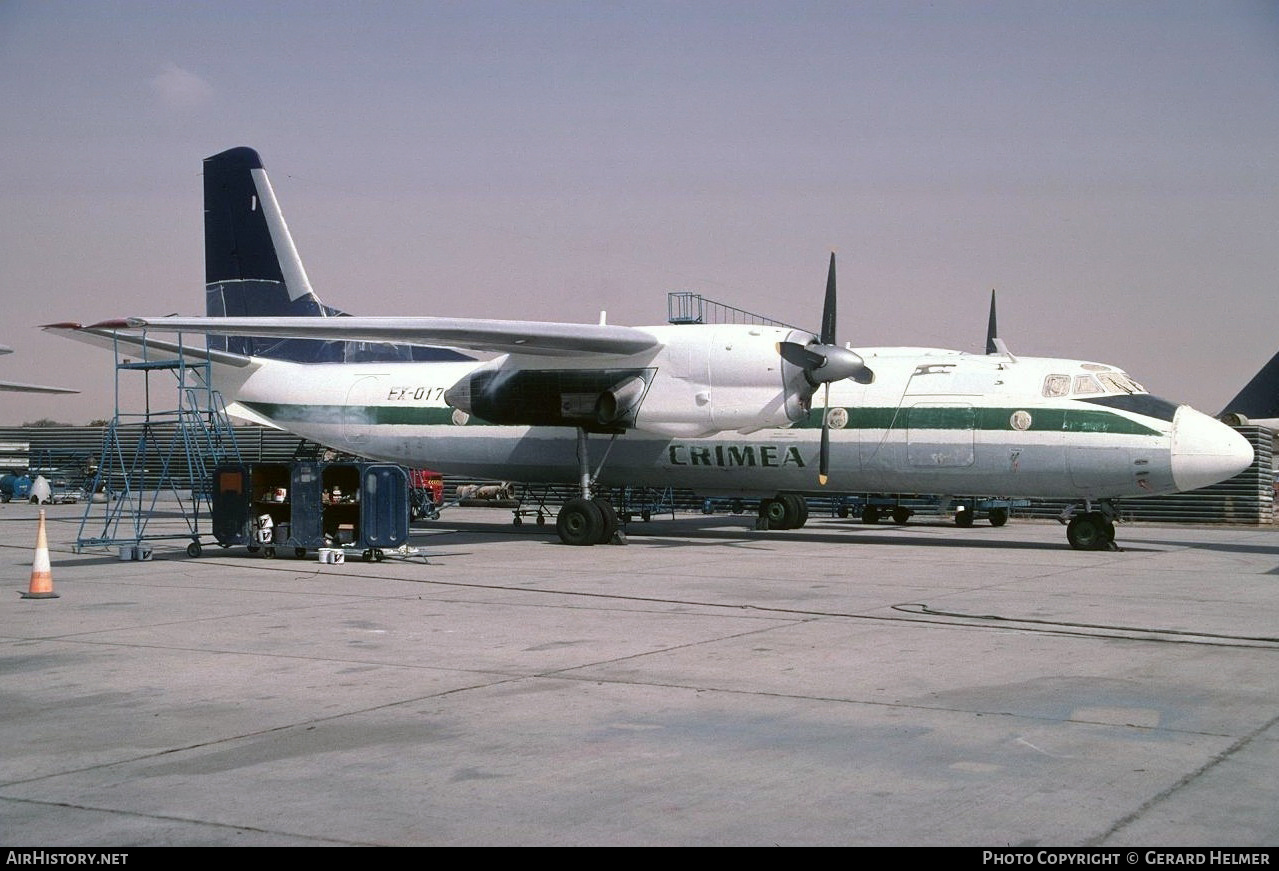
1205 451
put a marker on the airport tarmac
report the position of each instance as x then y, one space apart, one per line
705 684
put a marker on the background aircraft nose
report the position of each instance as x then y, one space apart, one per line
1205 451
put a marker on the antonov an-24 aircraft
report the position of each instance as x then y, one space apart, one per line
743 410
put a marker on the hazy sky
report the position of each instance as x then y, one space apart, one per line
1111 168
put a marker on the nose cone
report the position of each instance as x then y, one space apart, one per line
1205 451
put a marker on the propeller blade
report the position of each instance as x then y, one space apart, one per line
828 309
823 461
991 333
799 355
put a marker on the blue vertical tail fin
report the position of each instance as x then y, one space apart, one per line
1258 400
252 269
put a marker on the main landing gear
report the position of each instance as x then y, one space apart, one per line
1091 529
784 511
588 519
583 521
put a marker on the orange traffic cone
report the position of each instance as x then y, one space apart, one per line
41 574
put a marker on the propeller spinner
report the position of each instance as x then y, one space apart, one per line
823 361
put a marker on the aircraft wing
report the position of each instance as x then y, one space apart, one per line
19 387
33 388
534 338
143 348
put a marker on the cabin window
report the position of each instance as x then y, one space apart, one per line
1056 385
1086 384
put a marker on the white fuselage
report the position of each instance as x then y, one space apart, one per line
717 413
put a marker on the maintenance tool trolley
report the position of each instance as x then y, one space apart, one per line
311 505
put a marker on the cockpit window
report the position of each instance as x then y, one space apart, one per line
1086 384
1133 386
1142 403
1113 384
1056 385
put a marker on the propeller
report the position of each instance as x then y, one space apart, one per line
822 361
992 334
994 344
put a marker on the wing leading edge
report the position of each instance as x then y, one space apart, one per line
533 338
142 347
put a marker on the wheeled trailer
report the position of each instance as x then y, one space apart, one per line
308 505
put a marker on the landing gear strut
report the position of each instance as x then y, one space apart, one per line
1091 529
588 519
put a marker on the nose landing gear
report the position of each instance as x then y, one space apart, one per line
1091 529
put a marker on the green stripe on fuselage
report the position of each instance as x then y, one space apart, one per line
985 419
937 417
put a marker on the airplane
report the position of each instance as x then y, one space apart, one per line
19 387
738 409
1258 402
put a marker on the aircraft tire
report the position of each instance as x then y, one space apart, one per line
579 523
773 513
795 511
609 521
802 505
1088 532
998 516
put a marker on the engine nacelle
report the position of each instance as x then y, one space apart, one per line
722 379
597 400
701 381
